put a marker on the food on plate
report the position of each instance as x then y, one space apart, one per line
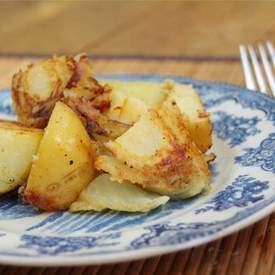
130 99
18 144
103 193
132 110
198 120
152 93
64 163
120 145
161 153
36 89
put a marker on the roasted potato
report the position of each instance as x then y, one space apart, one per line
198 120
103 193
64 164
127 98
132 110
158 153
18 145
36 89
130 99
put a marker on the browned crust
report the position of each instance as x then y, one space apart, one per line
174 167
34 112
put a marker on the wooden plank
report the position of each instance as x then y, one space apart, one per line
150 266
268 248
196 256
164 264
120 269
255 247
53 27
180 261
137 27
209 259
239 251
196 29
135 267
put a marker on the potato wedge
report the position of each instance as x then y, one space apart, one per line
18 144
64 164
158 153
153 94
198 123
36 89
103 193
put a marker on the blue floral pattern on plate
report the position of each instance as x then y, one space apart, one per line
241 193
67 223
56 245
233 128
167 234
263 156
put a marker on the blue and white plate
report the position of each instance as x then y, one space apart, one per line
243 191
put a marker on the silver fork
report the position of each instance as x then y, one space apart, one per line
264 75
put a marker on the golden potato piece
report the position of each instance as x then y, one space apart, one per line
158 153
153 94
64 163
18 145
149 92
103 193
141 143
36 89
120 172
198 123
132 110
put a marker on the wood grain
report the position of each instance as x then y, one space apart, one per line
189 28
248 252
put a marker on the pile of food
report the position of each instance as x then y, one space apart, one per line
82 144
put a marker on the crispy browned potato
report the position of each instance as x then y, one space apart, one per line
64 164
130 99
198 120
18 145
158 153
36 89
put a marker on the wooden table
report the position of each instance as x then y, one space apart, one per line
193 39
134 27
248 252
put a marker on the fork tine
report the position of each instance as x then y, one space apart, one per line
257 70
248 76
267 68
271 52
